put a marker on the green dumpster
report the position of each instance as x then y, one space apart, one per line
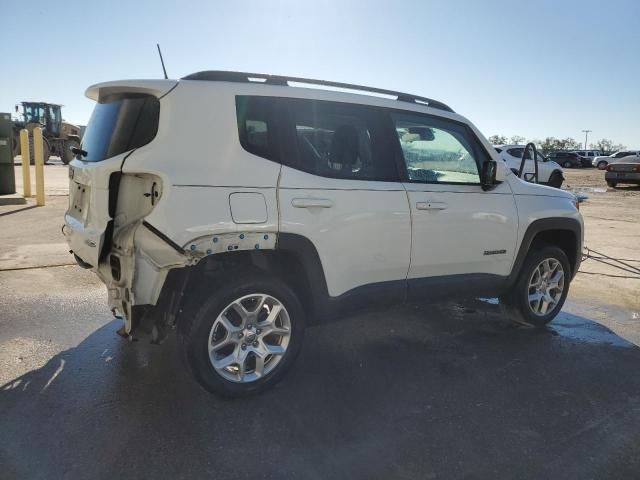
7 176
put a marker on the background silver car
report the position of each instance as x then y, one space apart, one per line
624 170
603 161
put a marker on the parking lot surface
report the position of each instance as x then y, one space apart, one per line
451 391
416 391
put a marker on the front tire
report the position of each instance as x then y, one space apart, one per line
542 286
555 180
612 184
241 337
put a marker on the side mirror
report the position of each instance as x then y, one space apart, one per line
16 108
488 175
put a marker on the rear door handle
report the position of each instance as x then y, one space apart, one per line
431 205
312 203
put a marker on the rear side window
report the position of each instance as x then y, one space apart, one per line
119 124
256 126
515 152
341 141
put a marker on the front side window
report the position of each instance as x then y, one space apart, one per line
341 141
436 150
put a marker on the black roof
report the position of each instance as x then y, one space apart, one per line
244 77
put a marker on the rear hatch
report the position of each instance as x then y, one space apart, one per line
126 117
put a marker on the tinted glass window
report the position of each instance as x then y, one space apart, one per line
436 150
119 124
256 126
515 152
341 141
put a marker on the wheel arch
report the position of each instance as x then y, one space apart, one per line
295 261
565 233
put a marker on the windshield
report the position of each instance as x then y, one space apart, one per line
34 114
119 125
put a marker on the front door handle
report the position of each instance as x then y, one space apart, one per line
431 205
312 203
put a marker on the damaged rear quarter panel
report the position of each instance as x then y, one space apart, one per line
198 163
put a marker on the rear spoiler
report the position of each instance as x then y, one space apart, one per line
157 88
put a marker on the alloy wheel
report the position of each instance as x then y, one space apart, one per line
546 286
249 338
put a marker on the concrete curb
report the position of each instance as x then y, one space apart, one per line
14 199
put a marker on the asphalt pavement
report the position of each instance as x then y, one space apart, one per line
452 391
416 391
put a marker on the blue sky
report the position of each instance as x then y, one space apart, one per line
532 68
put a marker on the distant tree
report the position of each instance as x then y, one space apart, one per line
516 140
571 144
618 147
497 139
604 145
548 145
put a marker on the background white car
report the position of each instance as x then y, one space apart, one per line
549 172
588 155
603 161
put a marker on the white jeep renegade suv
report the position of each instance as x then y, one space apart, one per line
238 209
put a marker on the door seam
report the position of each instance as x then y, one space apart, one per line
406 192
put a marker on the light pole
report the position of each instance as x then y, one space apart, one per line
586 135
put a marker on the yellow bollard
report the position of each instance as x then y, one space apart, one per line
26 160
38 153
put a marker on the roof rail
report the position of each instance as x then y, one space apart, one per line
244 77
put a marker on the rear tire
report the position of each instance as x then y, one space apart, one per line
223 347
602 165
542 287
567 164
555 180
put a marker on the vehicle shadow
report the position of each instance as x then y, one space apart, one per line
18 210
417 391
